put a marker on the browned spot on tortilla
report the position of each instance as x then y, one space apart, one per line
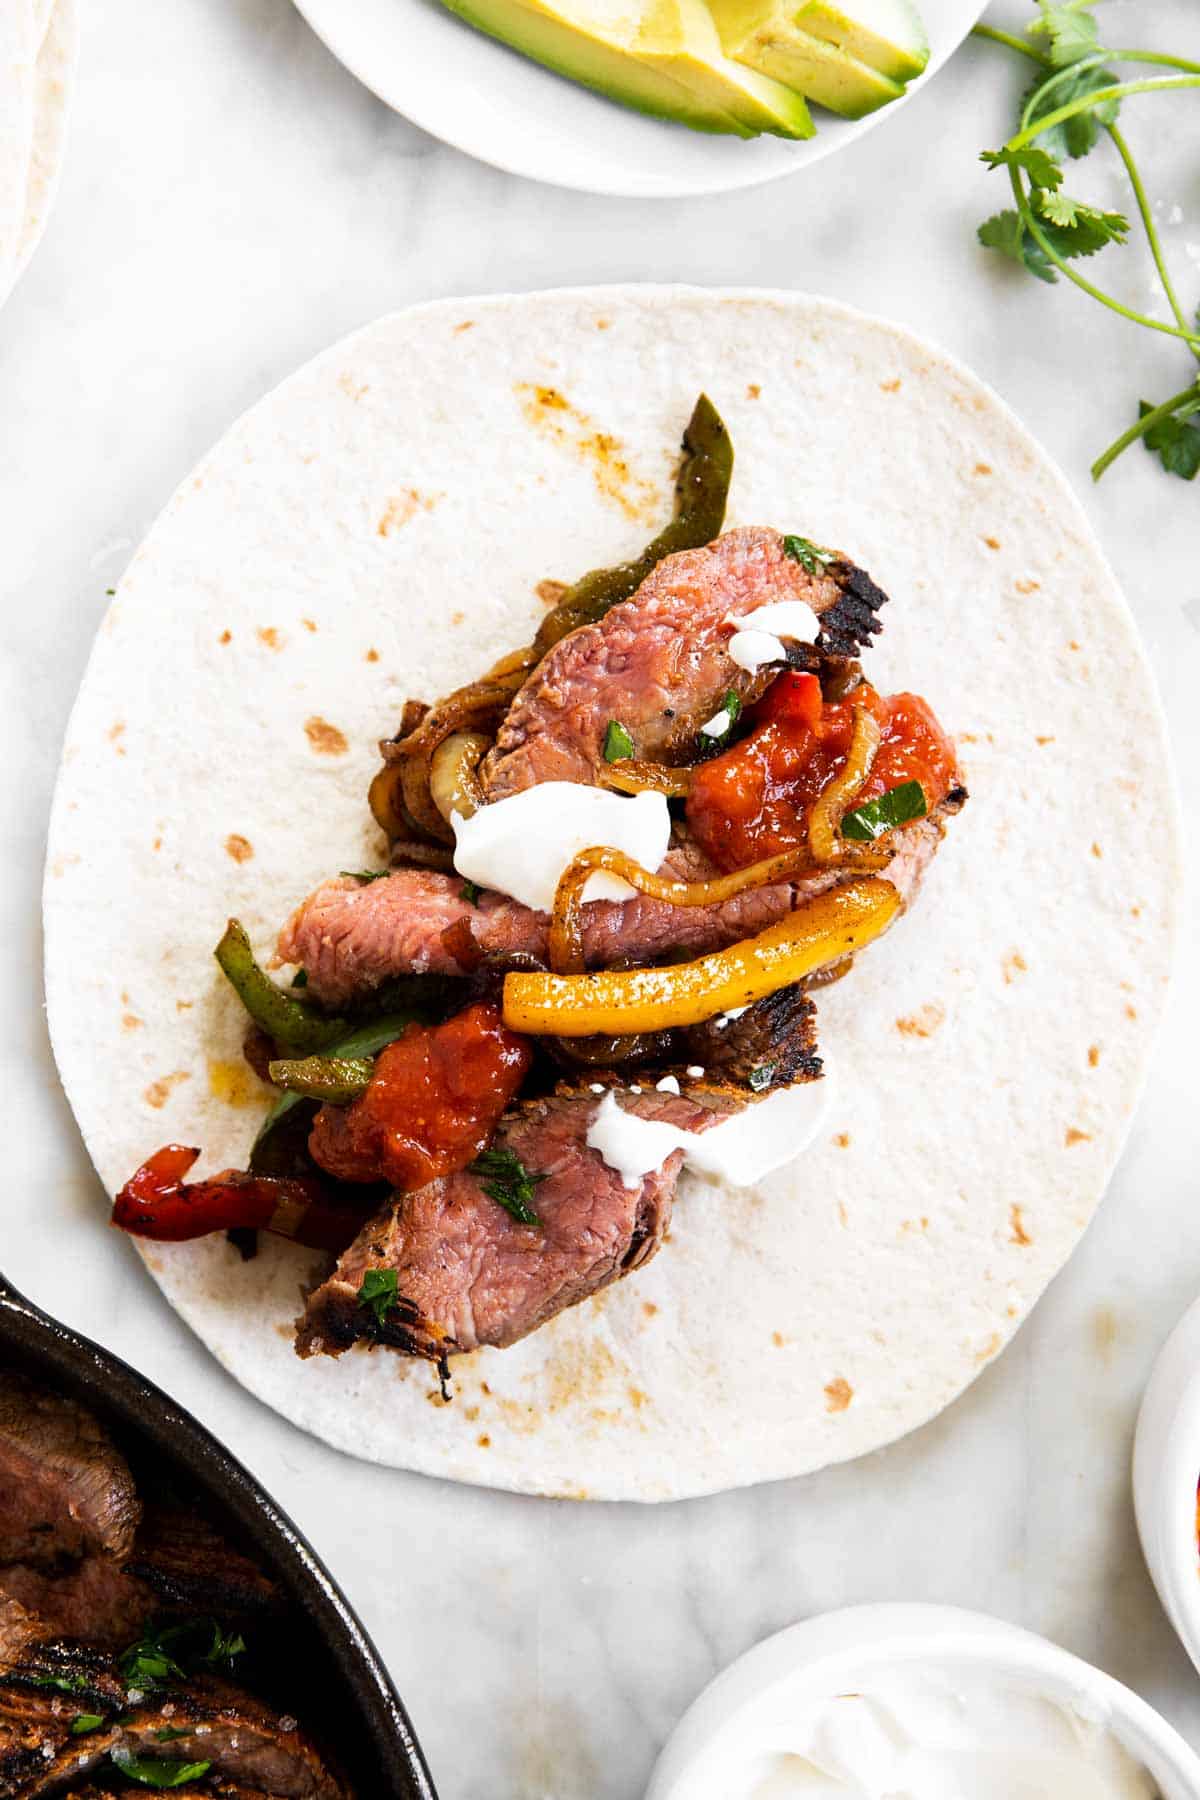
239 847
842 1140
159 1092
226 637
157 844
1017 1232
1073 645
285 1331
983 468
270 636
483 1440
989 1349
355 389
372 656
752 390
890 387
456 618
924 1022
467 325
1135 912
184 1005
967 737
1029 586
550 592
1075 1136
838 1394
551 412
130 1021
1093 1055
993 543
115 734
1044 740
649 1308
843 1215
1130 1011
470 1413
308 625
603 324
234 1082
1013 965
1097 851
402 507
325 738
485 1389
637 1398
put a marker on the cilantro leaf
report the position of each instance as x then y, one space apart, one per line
810 556
156 1771
85 1722
617 742
149 1662
1073 137
1078 229
504 1177
713 733
1005 232
1069 29
1041 168
66 1684
224 1647
1175 441
898 806
364 877
169 1733
470 892
761 1077
300 978
379 1292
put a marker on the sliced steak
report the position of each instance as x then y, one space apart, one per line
771 1044
246 1743
469 1274
660 663
351 938
95 1600
187 1565
65 1488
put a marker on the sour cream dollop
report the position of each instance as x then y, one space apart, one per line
760 634
926 1732
740 1150
522 845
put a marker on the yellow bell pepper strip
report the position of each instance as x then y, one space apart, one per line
820 932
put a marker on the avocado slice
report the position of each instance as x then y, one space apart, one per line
887 35
664 58
763 35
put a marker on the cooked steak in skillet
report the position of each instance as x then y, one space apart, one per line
94 1601
187 1565
660 663
351 937
65 1489
470 1274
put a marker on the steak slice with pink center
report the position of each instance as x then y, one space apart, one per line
659 662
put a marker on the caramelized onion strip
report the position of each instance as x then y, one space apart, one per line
825 815
633 777
566 923
453 780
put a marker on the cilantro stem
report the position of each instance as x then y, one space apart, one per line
1143 425
1011 42
1152 84
1152 237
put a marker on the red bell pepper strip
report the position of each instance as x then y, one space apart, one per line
157 1203
793 695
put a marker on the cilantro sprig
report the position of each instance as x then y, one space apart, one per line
1073 100
504 1177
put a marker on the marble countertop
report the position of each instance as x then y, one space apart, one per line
232 202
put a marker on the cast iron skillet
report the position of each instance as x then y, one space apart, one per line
364 1721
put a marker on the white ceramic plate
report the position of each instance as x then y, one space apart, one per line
1166 1468
487 100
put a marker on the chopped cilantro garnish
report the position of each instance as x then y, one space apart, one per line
505 1178
300 978
364 876
897 807
713 735
84 1722
470 892
169 1733
378 1291
761 1077
810 556
617 742
149 1662
157 1771
66 1684
224 1647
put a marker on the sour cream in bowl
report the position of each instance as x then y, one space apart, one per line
1166 1472
905 1702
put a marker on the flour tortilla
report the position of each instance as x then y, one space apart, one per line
53 79
18 58
377 528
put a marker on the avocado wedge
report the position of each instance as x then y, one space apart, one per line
887 35
764 35
665 59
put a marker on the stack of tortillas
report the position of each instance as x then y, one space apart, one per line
38 46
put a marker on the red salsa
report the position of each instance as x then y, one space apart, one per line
751 802
434 1099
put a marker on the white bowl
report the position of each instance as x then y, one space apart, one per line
485 99
1166 1468
829 1653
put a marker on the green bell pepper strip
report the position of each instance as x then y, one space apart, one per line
701 491
332 1079
360 1044
293 1025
